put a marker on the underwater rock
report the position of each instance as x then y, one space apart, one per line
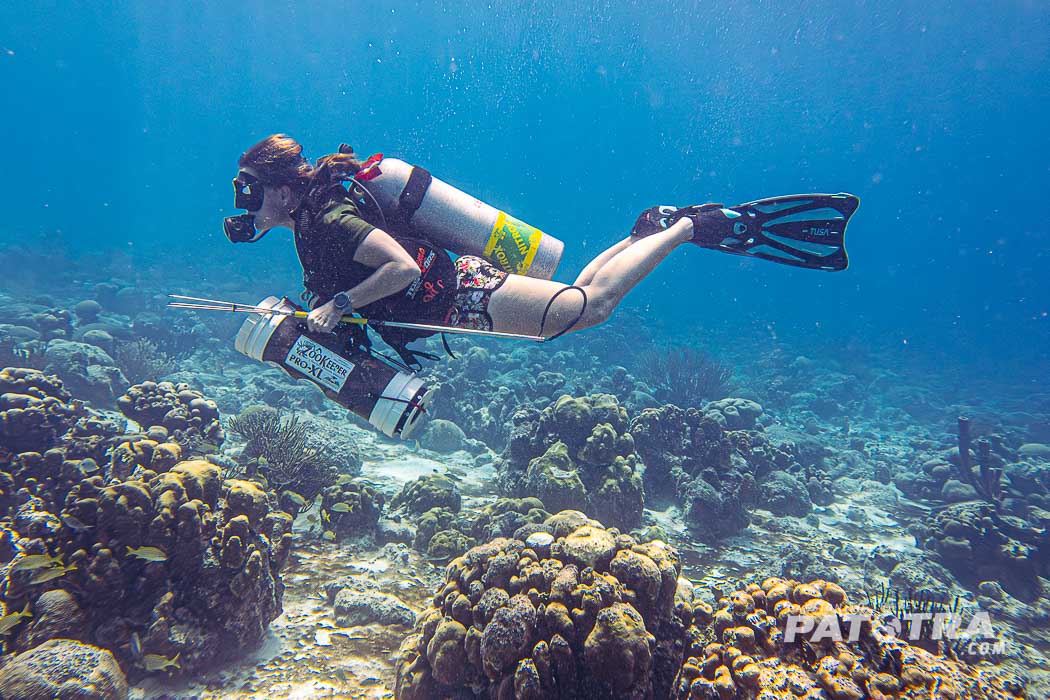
446 544
576 453
56 615
504 517
710 471
955 491
427 492
53 324
443 436
782 493
86 369
99 338
63 669
510 621
34 410
1034 449
368 607
87 311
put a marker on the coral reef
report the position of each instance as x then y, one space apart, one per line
977 543
576 452
583 612
743 647
151 555
86 369
183 411
427 492
352 509
718 462
442 533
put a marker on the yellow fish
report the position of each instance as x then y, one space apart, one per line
51 574
156 662
36 561
148 553
75 524
342 508
9 622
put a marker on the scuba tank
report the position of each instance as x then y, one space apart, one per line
412 199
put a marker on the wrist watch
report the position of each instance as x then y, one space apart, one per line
342 301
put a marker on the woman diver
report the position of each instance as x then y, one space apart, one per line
351 264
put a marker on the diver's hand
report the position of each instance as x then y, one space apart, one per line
324 318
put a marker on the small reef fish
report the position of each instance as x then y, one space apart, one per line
148 553
209 446
296 498
52 573
156 662
74 524
135 645
10 621
36 561
342 508
329 535
344 479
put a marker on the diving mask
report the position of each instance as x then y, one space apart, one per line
248 194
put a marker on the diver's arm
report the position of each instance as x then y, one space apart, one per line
394 268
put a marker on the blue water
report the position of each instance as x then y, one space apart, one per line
123 123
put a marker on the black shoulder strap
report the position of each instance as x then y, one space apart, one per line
412 196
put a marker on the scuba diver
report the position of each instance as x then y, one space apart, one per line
360 254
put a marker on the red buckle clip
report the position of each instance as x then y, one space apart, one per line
370 169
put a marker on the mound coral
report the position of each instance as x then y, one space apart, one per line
428 491
583 612
352 508
443 534
183 411
576 453
743 648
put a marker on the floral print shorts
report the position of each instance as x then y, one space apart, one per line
476 280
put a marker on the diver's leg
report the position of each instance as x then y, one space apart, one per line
518 305
587 274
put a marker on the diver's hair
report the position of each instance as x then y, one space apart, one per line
278 159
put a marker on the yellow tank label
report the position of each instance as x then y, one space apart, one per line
513 244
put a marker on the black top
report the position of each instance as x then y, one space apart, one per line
326 238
